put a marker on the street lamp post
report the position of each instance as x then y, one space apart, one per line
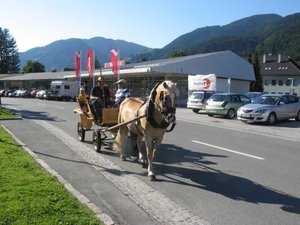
292 84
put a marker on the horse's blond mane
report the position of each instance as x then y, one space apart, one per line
172 87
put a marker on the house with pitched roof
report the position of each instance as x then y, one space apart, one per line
280 74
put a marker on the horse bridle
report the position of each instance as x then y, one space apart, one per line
166 111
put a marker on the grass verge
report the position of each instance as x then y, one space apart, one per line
30 195
6 114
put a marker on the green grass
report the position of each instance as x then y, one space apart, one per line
30 195
6 114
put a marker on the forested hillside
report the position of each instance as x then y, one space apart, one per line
263 33
269 33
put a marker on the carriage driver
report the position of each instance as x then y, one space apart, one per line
99 96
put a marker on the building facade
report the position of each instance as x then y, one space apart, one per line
142 77
280 74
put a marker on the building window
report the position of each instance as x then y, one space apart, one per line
273 82
296 82
280 82
288 82
267 82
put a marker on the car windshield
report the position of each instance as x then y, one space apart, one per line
252 95
267 100
217 98
196 95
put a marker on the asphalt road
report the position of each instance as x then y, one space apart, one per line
217 171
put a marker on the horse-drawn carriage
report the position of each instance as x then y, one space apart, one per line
88 121
142 119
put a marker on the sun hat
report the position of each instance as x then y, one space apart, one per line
121 81
99 79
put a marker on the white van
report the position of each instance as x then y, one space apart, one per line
197 100
64 90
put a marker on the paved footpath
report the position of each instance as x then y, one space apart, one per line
116 197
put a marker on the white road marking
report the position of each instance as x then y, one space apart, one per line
228 150
59 107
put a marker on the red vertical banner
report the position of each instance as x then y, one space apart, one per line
90 62
114 57
77 63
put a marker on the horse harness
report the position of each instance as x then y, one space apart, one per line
150 105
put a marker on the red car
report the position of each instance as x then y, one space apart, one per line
33 93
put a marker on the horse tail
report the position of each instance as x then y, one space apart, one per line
117 144
122 134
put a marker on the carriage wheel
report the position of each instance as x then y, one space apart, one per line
133 139
81 132
97 140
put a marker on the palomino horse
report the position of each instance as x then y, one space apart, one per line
150 120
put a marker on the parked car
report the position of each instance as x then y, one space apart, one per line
2 92
7 92
254 95
197 100
225 104
47 95
40 94
16 93
270 108
33 93
25 94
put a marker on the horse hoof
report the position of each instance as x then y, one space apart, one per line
123 158
144 165
152 177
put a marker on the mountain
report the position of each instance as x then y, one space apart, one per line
267 33
60 54
235 28
280 36
210 33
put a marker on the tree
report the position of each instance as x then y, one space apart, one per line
33 67
178 53
97 64
143 59
9 56
258 84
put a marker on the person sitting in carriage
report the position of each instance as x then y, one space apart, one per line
99 97
82 100
122 92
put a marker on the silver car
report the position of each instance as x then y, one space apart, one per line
270 108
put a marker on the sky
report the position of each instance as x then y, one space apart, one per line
151 23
